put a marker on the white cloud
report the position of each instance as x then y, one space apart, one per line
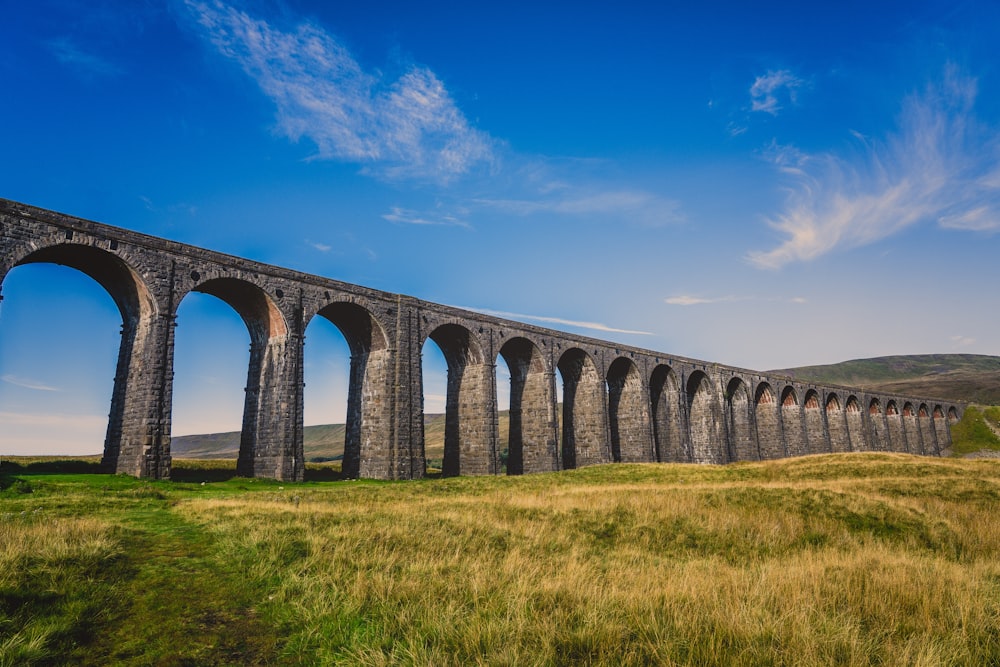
765 90
322 247
404 216
963 341
596 326
26 383
688 300
88 64
940 166
406 129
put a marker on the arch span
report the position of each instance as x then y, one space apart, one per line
533 437
815 428
369 389
836 423
769 433
470 440
274 373
705 421
628 414
139 446
856 424
585 426
743 444
792 423
667 416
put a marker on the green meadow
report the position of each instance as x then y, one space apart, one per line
849 559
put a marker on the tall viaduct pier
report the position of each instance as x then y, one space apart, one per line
620 403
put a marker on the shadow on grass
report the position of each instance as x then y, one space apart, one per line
54 466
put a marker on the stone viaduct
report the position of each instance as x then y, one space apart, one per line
620 403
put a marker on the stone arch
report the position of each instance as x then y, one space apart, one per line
743 444
894 427
270 437
705 421
470 441
941 427
815 430
836 422
928 437
952 415
768 421
137 440
628 413
533 438
879 439
585 426
911 429
792 423
667 416
369 389
855 424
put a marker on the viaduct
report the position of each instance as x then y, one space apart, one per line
620 403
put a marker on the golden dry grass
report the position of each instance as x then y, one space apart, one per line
839 560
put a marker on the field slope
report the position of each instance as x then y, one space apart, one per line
965 378
849 559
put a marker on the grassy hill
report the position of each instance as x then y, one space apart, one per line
847 559
967 378
321 443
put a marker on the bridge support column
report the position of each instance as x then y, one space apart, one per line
138 436
470 432
271 440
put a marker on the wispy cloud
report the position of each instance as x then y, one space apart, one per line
26 383
634 205
940 166
596 326
85 63
689 300
765 90
409 128
962 341
322 247
404 216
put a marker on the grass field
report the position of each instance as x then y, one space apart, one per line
859 559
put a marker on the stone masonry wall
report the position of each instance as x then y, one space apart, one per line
619 402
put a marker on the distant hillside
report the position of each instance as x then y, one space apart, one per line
967 378
325 442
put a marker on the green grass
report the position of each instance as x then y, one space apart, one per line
852 559
972 433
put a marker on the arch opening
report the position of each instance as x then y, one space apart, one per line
743 445
57 378
270 434
340 330
667 417
793 423
770 438
836 421
470 428
139 445
628 413
584 423
531 431
705 421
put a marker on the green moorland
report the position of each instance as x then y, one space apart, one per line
966 378
847 559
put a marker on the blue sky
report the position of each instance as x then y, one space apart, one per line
764 186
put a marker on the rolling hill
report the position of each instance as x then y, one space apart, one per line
966 378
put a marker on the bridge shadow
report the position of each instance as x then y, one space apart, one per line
52 467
